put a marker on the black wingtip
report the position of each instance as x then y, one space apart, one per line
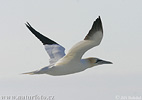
99 17
97 26
27 25
41 37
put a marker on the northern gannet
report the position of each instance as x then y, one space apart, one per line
72 62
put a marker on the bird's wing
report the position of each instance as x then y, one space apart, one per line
54 50
92 39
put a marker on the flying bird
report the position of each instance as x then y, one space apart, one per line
72 62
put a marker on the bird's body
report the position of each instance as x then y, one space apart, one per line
69 67
72 62
66 65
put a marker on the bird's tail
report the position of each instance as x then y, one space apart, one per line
31 73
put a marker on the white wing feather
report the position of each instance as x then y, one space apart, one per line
92 39
55 52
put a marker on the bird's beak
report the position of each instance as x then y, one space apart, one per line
106 62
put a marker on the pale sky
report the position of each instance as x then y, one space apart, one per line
67 22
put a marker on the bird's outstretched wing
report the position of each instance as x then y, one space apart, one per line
54 50
92 39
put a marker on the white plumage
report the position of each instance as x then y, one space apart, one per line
72 62
55 52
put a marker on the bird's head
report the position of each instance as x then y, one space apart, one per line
97 61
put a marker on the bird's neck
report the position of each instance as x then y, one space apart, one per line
86 63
